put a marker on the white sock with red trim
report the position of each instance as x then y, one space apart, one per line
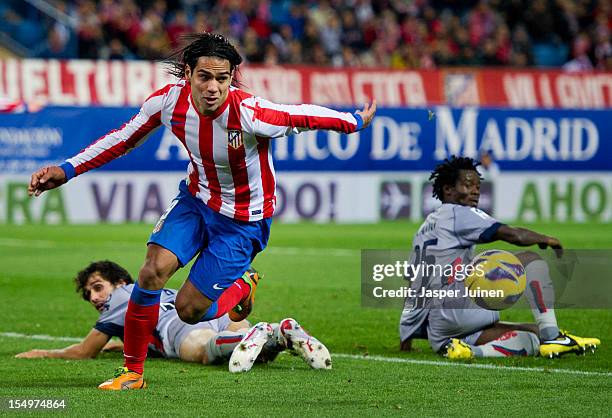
541 296
220 347
512 343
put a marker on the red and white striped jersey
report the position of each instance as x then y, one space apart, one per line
231 167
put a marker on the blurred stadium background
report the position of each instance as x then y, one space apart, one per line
527 84
524 85
398 34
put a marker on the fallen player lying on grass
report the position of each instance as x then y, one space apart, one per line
108 286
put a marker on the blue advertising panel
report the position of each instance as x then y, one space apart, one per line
398 140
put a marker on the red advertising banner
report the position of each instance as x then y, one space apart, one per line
119 83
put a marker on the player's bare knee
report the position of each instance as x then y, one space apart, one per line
193 347
151 277
527 257
159 265
187 312
188 315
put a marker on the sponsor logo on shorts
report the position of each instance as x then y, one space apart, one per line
158 226
217 287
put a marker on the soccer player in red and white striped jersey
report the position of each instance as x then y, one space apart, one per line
224 207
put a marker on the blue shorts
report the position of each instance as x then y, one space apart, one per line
226 246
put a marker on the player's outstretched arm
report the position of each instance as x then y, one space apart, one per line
272 120
89 348
107 148
524 237
46 178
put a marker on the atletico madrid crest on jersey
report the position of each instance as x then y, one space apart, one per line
234 138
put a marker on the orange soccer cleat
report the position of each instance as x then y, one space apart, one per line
124 380
244 308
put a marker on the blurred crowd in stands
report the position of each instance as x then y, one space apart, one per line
398 34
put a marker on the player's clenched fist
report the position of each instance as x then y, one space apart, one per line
46 178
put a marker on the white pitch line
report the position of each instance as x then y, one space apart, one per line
36 243
471 365
39 243
340 252
39 337
374 358
306 251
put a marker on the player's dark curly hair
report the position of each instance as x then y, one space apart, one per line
111 271
447 173
202 45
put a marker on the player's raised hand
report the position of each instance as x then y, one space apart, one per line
367 113
46 178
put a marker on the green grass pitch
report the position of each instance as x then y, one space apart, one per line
321 289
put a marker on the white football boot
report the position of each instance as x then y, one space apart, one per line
249 347
313 351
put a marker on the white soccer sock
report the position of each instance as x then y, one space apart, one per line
220 347
541 296
512 343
